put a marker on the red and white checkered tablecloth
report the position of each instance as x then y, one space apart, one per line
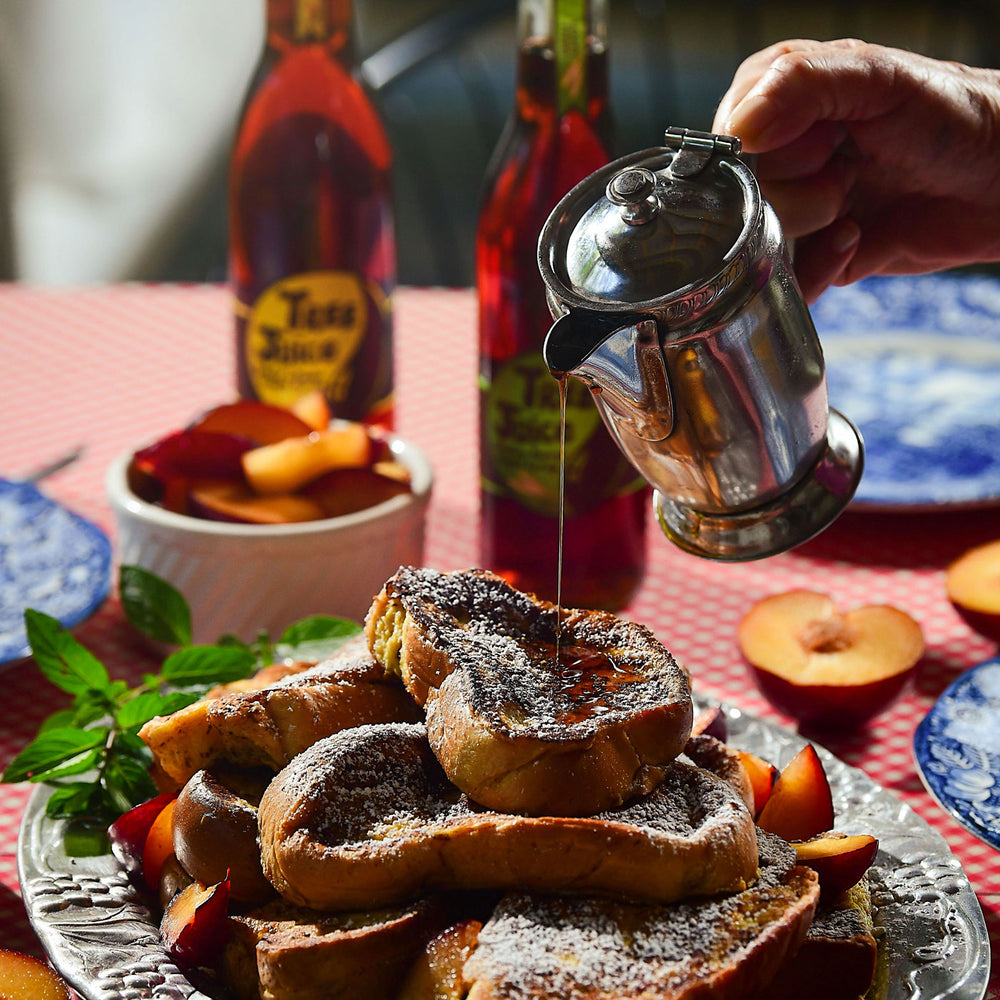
110 367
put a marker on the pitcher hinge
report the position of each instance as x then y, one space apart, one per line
695 149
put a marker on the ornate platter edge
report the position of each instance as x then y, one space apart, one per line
104 940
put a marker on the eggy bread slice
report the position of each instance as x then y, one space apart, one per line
725 948
529 711
719 758
367 817
838 958
268 726
282 952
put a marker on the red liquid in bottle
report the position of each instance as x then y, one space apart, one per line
542 155
312 247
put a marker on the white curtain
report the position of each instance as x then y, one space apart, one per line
113 114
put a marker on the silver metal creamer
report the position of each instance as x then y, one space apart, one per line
676 304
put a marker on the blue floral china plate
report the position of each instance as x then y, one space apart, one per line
957 749
914 362
51 560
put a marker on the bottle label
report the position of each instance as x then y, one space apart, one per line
302 334
570 44
520 413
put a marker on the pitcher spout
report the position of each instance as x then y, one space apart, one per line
621 360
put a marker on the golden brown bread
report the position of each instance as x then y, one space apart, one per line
837 959
215 831
517 727
267 727
367 817
727 948
437 972
715 756
281 952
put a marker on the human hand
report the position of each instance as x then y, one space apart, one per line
876 160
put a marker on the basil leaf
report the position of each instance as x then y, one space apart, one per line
315 638
142 708
89 707
127 779
75 798
80 763
86 838
50 749
129 745
66 663
174 701
319 627
154 607
207 665
65 718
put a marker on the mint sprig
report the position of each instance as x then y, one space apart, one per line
91 751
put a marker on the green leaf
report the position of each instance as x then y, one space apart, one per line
90 707
207 665
50 749
131 744
80 763
70 800
127 781
133 713
320 627
64 719
86 838
60 657
174 701
154 607
315 638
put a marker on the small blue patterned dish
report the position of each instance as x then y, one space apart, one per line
957 749
51 560
915 363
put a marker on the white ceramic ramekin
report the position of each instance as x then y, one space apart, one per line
247 578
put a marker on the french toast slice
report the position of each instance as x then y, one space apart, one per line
838 958
282 952
719 758
214 829
726 948
367 817
437 972
266 727
529 711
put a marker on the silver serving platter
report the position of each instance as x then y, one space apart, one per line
933 941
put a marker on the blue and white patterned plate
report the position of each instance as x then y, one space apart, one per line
50 559
915 363
957 749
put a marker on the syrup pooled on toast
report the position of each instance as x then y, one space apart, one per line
587 680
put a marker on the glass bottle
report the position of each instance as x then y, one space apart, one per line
557 135
312 255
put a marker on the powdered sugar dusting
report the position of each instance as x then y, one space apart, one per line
381 784
586 948
504 642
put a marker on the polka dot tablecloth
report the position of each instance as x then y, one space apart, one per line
111 367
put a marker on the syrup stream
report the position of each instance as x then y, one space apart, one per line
562 510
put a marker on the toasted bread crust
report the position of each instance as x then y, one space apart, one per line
215 834
367 817
280 952
839 955
268 726
715 756
516 727
584 949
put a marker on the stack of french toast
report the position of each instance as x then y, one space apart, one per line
487 796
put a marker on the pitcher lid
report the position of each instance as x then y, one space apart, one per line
652 225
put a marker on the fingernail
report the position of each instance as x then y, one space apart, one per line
753 121
845 236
